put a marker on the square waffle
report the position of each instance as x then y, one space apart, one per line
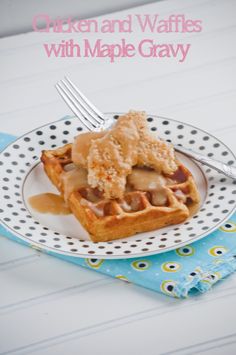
138 211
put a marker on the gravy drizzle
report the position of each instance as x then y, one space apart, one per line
49 203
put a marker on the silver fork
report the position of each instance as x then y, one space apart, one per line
95 120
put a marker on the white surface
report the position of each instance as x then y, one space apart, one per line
11 23
51 307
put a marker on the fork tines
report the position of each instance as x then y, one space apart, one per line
88 114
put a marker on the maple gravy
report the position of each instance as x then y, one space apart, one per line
49 203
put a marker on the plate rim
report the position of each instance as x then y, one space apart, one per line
48 249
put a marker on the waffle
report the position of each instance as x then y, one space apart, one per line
138 211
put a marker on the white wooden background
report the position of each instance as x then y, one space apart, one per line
48 306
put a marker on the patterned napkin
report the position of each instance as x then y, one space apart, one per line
177 273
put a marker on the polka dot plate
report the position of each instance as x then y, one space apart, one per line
22 176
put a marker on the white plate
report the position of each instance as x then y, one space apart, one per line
22 176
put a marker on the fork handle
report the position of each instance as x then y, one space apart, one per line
225 169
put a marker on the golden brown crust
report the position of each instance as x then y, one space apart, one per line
109 219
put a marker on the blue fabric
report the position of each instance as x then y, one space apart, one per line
177 273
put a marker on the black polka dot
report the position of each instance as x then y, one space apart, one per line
225 211
192 235
222 180
22 155
74 250
31 149
116 117
223 188
16 146
57 246
153 128
210 154
194 131
201 147
180 136
149 119
231 162
167 132
216 220
27 139
9 171
67 123
42 240
39 133
127 251
146 249
191 142
216 145
52 127
224 153
65 141
231 202
5 188
41 142
116 247
180 126
6 154
79 129
206 138
165 122
170 288
66 132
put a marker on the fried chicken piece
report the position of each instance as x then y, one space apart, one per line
110 157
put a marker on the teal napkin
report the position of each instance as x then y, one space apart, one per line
177 273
